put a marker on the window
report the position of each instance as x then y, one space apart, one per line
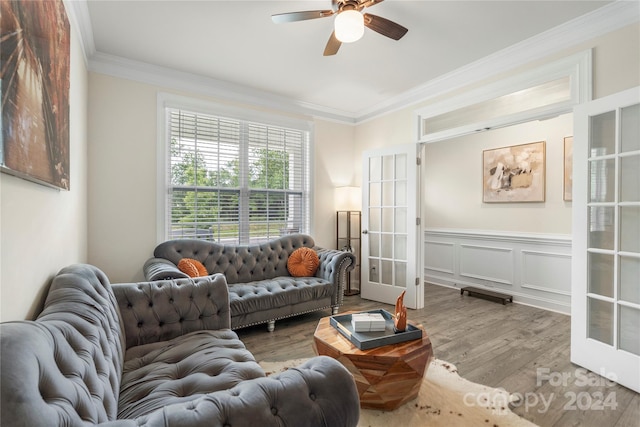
232 180
539 93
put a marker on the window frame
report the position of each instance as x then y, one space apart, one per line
167 102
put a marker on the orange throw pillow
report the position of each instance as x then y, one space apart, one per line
303 262
192 267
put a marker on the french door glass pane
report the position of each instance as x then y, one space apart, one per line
387 194
600 275
375 169
630 125
600 320
630 229
601 229
630 178
602 180
603 134
401 166
387 219
401 193
387 167
400 247
401 220
374 268
629 329
387 272
629 282
401 274
374 219
387 246
374 194
374 244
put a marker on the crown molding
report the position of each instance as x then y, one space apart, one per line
78 13
589 26
178 80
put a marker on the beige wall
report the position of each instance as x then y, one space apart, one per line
122 174
43 229
334 167
452 182
452 169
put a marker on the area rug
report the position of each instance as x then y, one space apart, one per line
445 399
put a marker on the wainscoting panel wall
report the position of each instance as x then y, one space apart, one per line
535 269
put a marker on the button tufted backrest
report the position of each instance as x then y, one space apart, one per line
165 309
238 263
66 366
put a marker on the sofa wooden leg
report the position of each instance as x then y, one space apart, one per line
271 325
334 310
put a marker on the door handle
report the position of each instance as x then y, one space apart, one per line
365 232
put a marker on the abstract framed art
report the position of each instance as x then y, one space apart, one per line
567 187
35 55
514 174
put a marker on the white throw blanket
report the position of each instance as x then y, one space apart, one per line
445 399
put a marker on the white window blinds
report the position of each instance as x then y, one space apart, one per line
235 181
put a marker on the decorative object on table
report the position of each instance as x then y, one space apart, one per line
567 188
368 340
368 322
514 174
348 239
400 315
35 50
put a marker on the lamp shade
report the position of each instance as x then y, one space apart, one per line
348 198
349 26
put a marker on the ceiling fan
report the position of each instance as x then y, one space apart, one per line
349 22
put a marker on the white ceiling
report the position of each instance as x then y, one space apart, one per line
236 42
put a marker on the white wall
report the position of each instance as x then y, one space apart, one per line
122 174
43 229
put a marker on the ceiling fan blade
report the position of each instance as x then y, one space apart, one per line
369 3
384 26
332 45
281 18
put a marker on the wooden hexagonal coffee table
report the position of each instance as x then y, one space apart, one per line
388 376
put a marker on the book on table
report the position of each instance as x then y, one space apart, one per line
368 322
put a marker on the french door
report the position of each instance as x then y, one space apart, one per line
391 243
605 302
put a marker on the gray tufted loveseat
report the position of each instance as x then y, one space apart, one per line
261 289
154 354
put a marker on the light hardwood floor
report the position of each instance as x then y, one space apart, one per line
522 349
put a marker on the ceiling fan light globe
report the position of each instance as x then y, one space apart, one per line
349 26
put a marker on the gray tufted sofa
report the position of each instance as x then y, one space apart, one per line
154 354
261 290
